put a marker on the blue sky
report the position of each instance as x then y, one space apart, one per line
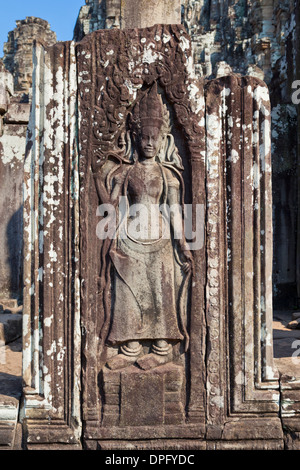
61 14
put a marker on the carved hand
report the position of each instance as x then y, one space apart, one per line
188 262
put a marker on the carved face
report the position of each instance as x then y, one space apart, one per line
150 140
113 10
24 81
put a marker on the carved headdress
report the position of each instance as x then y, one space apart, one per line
150 111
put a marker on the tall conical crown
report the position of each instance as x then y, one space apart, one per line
149 110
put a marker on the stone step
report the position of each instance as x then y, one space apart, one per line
8 303
9 427
10 327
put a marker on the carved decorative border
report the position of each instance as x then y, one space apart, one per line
112 67
238 159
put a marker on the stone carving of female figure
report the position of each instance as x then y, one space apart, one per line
150 272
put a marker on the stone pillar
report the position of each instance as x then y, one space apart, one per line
12 135
12 146
260 39
239 258
6 90
147 13
125 14
218 389
15 89
290 380
51 323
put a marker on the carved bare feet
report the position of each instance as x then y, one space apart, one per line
128 356
152 360
161 354
131 353
120 361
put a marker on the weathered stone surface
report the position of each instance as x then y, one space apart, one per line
15 89
125 14
17 113
10 394
10 327
92 16
147 13
292 441
18 51
7 431
246 445
290 403
260 40
10 306
238 110
155 66
119 70
253 429
228 37
157 445
156 395
6 91
50 267
12 150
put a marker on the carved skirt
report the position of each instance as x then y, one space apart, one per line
146 291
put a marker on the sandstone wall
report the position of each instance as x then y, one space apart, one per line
15 97
259 38
256 38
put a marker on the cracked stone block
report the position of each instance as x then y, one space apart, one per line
157 395
10 306
17 113
10 327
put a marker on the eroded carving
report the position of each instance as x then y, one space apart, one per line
113 12
210 391
131 68
151 268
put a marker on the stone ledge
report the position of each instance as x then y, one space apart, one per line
17 113
185 431
244 429
10 429
185 445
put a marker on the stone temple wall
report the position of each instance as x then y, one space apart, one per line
259 38
15 101
16 68
229 39
74 382
255 38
